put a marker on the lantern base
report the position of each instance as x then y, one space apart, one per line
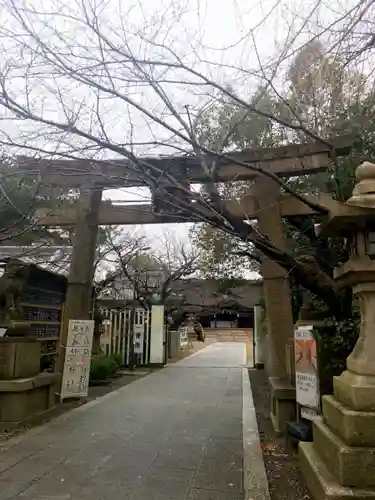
355 428
352 466
321 483
340 463
355 391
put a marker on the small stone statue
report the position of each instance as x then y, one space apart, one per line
98 330
12 284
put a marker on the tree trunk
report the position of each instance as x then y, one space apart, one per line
305 271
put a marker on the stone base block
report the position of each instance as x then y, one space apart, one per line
19 357
355 391
283 404
22 399
355 428
353 466
321 483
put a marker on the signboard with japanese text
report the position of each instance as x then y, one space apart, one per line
307 379
183 337
139 334
76 372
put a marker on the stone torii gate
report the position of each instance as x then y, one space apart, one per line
265 203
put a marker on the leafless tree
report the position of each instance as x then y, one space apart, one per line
151 274
19 197
118 248
78 82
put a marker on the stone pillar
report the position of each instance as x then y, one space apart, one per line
277 295
340 463
79 292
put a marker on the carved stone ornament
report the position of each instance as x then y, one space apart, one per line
364 190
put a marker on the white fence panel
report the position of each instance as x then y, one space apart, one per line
116 336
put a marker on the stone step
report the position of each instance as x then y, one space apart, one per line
356 428
352 465
227 335
321 483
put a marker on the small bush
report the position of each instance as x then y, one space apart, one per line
336 340
117 358
103 368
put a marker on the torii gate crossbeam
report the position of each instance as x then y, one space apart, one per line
285 161
129 214
268 205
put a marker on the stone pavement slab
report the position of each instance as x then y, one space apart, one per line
177 434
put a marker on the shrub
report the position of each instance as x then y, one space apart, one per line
117 358
103 368
335 340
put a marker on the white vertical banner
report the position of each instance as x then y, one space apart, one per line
183 336
139 338
157 335
307 376
76 373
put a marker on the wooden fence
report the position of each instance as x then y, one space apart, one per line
116 336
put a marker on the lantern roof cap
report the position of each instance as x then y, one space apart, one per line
364 190
358 212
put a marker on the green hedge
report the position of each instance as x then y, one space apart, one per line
335 341
103 368
117 358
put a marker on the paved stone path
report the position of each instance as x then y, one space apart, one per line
178 434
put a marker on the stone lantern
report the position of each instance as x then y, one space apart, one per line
340 463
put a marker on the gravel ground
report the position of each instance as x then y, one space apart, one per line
284 479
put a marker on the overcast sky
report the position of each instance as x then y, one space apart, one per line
222 32
230 41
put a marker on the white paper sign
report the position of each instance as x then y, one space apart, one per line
307 380
308 413
183 337
139 334
76 372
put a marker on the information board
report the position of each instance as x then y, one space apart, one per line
183 337
76 372
139 335
307 379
